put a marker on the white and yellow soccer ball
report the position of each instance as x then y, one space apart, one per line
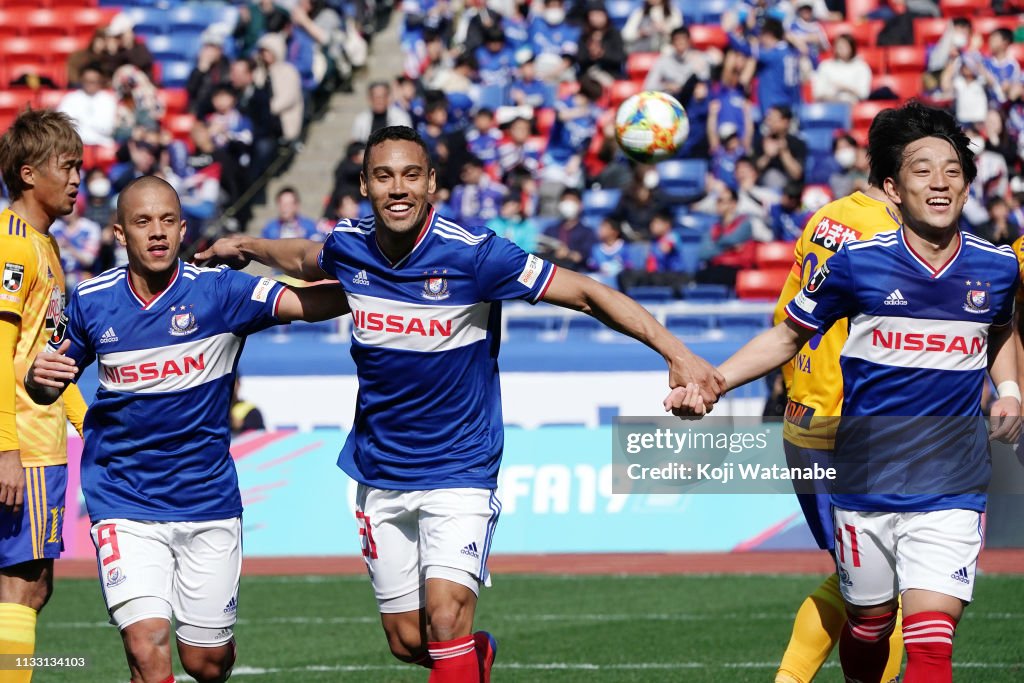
651 126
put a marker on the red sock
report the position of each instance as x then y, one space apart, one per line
864 647
455 661
928 639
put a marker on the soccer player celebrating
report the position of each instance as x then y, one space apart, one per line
952 292
159 482
814 381
427 438
40 156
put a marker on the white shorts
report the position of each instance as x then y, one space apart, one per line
404 533
192 566
881 554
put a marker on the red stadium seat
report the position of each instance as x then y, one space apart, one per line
45 22
99 156
906 59
88 19
858 9
61 48
874 57
965 8
864 112
15 100
180 125
1017 51
622 90
761 284
865 33
703 36
984 26
19 45
860 135
639 64
24 4
175 100
545 120
904 86
566 88
50 99
928 30
64 5
769 255
18 66
834 29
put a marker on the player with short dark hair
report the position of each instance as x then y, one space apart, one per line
930 309
40 160
158 478
427 438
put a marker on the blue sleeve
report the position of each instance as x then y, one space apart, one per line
329 257
504 271
1005 314
740 45
272 230
827 296
70 327
247 303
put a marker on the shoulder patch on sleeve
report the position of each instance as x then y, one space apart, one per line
262 290
13 277
531 271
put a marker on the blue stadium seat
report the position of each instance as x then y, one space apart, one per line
695 221
818 168
689 249
320 327
704 11
531 329
183 47
688 325
819 140
599 203
682 180
707 292
491 97
651 294
743 324
148 20
174 74
199 16
825 115
619 11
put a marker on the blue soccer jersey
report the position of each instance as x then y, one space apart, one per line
918 346
425 335
157 436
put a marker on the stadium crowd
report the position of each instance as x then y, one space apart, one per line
516 101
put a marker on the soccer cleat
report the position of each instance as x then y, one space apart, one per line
486 650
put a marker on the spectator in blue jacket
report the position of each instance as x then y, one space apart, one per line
289 222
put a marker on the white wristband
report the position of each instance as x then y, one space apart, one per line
1007 389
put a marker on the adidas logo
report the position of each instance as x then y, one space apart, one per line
960 575
895 298
231 606
361 279
108 336
471 550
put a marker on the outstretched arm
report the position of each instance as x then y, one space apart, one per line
312 304
294 257
619 312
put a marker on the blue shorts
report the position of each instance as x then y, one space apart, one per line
37 532
817 507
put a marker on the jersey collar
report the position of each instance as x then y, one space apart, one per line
934 273
148 305
427 225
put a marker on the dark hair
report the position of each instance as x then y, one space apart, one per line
222 88
287 189
843 137
93 66
994 201
378 84
572 191
894 129
613 223
1005 33
773 27
36 137
794 188
962 22
591 88
784 111
382 135
680 31
142 182
848 39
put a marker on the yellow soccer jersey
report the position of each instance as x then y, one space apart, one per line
33 290
1018 249
814 378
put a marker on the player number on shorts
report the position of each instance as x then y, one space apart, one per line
366 536
107 535
854 552
56 514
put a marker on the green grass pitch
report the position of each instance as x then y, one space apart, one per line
550 628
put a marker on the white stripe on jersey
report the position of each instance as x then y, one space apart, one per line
345 225
441 232
456 229
416 327
166 369
978 243
918 342
886 239
93 286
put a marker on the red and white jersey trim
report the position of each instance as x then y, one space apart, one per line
416 327
166 369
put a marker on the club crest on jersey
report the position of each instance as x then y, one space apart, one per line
14 273
977 299
435 287
115 577
183 322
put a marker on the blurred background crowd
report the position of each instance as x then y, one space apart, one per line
516 100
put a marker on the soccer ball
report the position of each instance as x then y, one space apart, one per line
650 126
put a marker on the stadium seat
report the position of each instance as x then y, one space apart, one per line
706 292
688 325
705 11
544 119
175 100
622 90
703 36
906 59
1016 51
99 156
638 64
23 4
682 179
829 115
89 18
984 26
45 22
599 203
199 16
491 97
928 30
864 33
61 48
535 328
857 9
864 112
20 45
874 57
763 285
818 167
650 294
770 255
619 11
819 140
69 5
180 125
566 88
174 74
834 29
50 99
697 222
860 135
14 101
176 46
20 66
905 86
743 324
970 9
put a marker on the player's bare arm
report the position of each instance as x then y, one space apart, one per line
756 358
312 304
1005 411
619 312
294 257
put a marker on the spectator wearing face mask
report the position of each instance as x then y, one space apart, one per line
844 175
568 243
